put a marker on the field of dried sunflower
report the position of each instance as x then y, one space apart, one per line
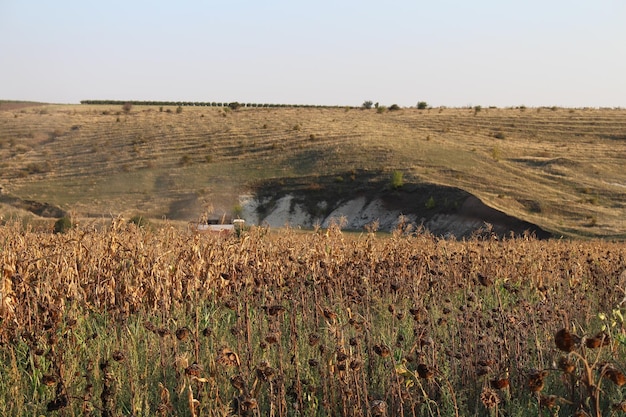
128 321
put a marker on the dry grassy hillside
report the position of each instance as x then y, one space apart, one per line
562 169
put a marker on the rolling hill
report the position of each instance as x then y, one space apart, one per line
559 169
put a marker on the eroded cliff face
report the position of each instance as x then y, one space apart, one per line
457 213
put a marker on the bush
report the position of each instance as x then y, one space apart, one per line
495 153
397 179
422 105
138 220
62 225
367 104
185 160
394 107
234 105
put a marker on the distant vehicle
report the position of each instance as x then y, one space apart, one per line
218 226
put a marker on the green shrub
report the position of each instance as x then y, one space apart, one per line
367 104
422 105
394 107
62 225
397 180
495 153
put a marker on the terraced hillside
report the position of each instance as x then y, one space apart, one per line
562 169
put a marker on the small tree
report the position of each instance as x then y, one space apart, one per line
62 225
367 104
138 220
422 105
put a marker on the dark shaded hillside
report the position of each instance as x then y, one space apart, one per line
442 210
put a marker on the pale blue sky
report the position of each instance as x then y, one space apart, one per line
454 53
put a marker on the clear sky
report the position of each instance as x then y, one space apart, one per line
454 53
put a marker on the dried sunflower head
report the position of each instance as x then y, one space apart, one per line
382 350
599 340
536 380
356 364
118 356
499 383
265 372
227 357
615 376
193 370
566 365
489 398
329 314
341 355
272 338
274 310
182 333
424 371
378 408
49 380
548 401
314 339
566 341
238 382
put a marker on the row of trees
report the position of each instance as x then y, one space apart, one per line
232 105
368 104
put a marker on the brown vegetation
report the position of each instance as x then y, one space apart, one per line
129 320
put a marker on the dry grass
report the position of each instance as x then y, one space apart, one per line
138 322
561 169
